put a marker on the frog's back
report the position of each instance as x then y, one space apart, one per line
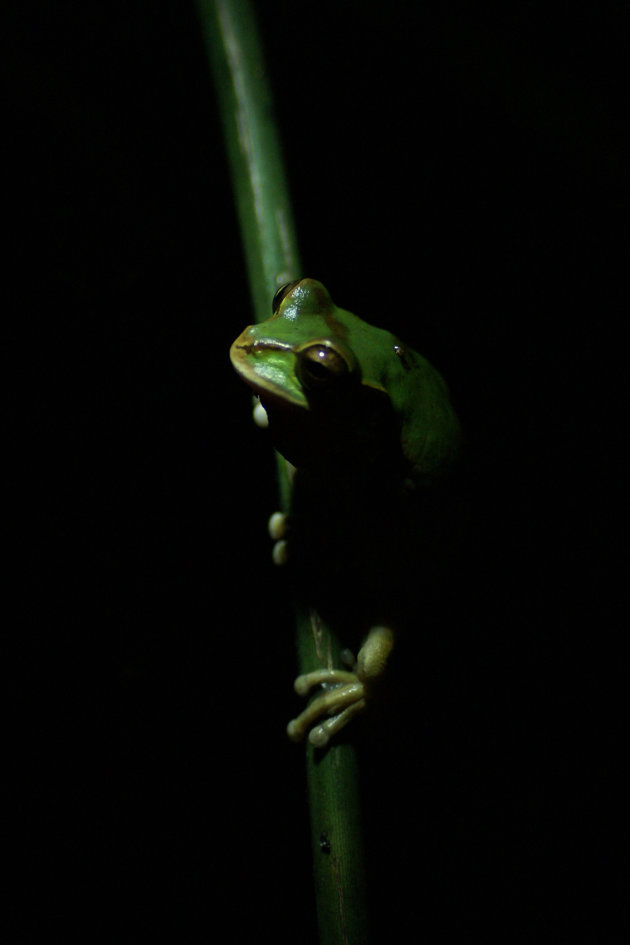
430 431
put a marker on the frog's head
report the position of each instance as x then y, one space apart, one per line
307 364
299 354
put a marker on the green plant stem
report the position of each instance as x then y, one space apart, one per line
271 253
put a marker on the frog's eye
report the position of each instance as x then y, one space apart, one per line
321 367
281 293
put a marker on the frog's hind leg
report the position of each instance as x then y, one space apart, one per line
345 693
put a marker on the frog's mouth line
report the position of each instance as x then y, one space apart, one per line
273 397
254 346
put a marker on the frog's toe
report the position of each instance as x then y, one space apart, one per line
277 528
343 697
280 553
320 735
260 414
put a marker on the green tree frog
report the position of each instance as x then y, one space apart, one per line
366 423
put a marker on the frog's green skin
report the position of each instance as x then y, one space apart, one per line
313 357
358 414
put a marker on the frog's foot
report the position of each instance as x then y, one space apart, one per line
345 693
343 698
277 528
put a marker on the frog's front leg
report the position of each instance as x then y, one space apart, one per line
345 693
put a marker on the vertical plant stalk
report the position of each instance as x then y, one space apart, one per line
268 233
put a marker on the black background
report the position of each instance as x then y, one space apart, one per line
459 175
